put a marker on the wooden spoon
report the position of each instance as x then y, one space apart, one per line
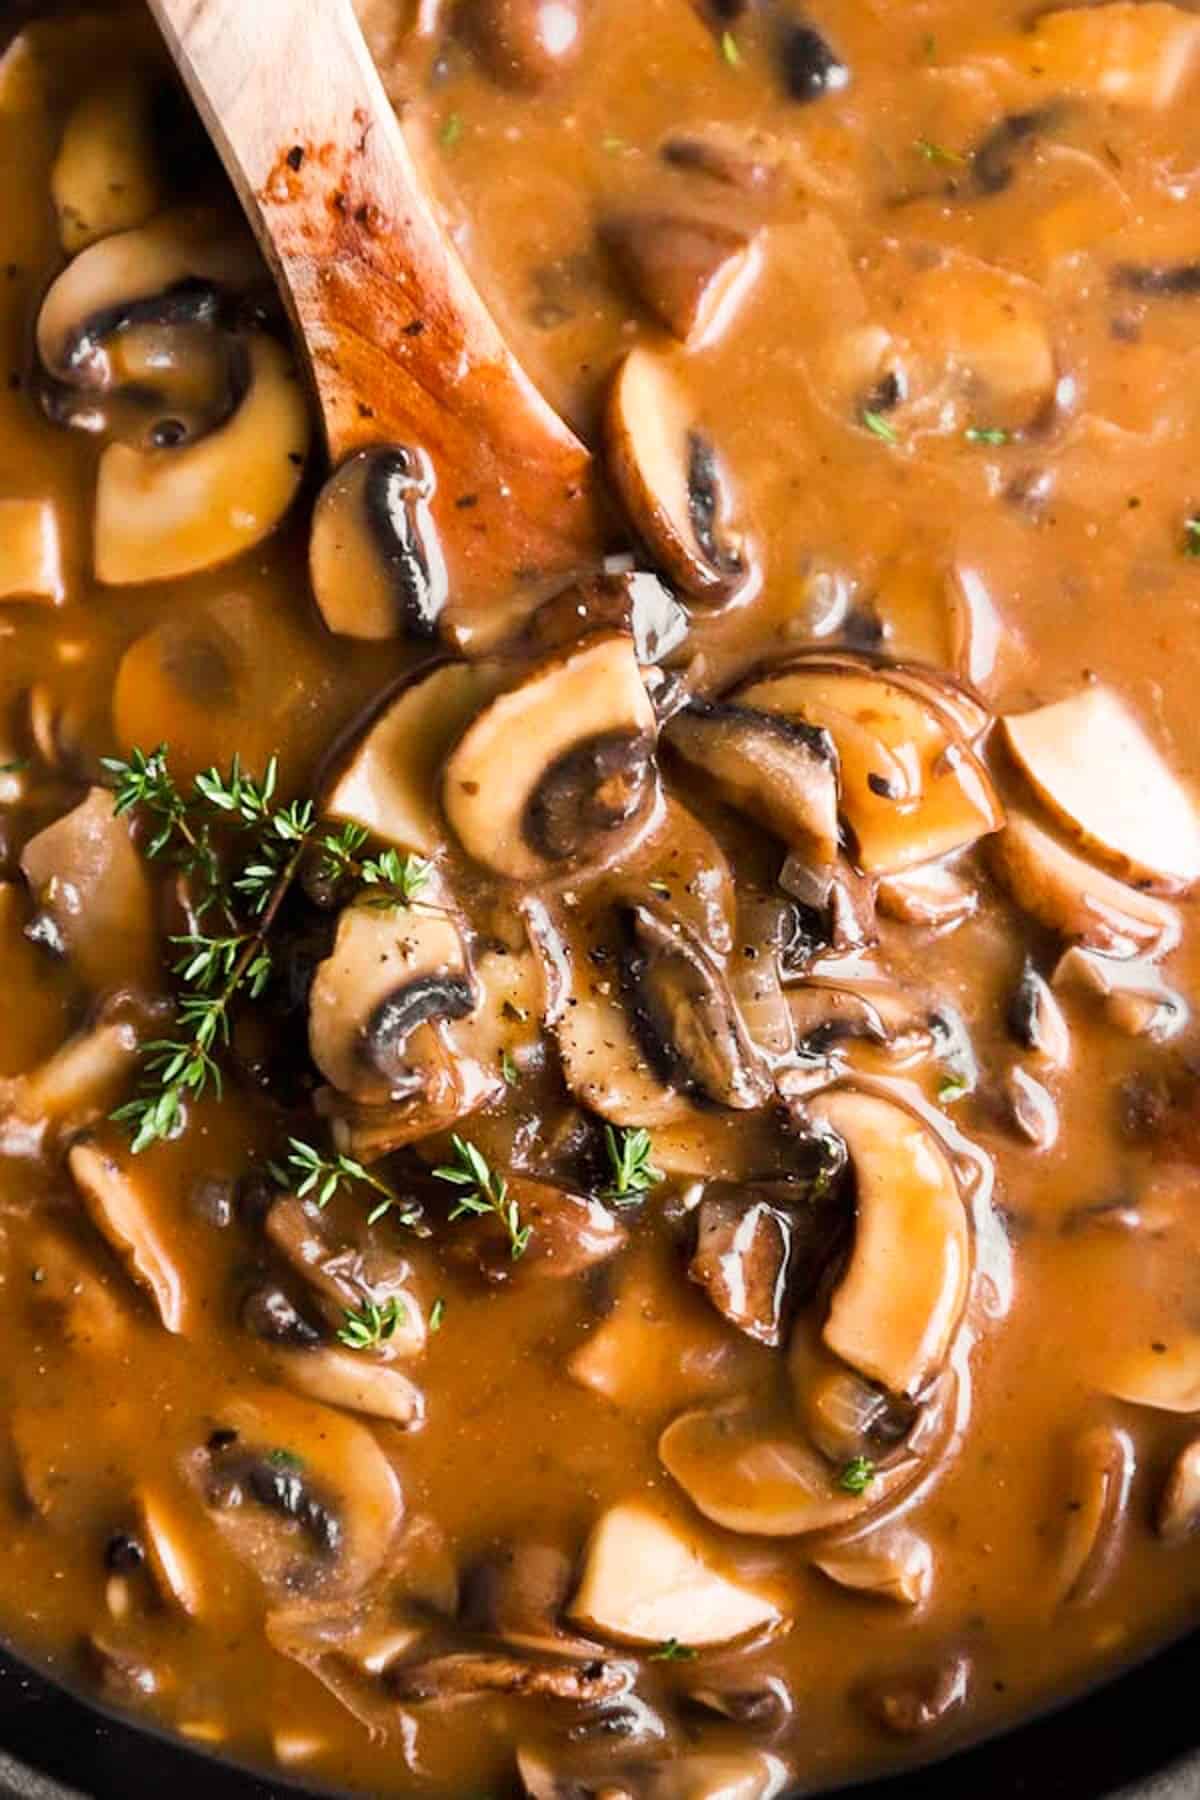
402 348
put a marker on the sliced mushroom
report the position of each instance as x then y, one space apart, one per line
444 1087
895 1311
1121 53
72 1089
690 272
527 44
105 178
766 932
911 790
633 601
644 1582
86 875
742 1260
1093 765
374 554
748 161
889 1565
30 552
72 1294
748 1476
345 1276
121 1203
1135 997
1163 1374
1034 1113
781 771
1103 1464
388 782
1178 1512
469 1674
672 484
1036 1021
391 972
559 771
934 896
913 1704
316 1481
808 65
518 1595
177 1564
838 908
687 1019
165 513
352 1381
569 1234
761 1705
1070 896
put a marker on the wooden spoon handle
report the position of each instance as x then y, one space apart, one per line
402 348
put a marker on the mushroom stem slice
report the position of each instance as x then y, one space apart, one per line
1092 764
672 484
353 1381
558 772
742 1474
782 772
691 273
121 1206
166 513
896 1309
644 1581
1079 901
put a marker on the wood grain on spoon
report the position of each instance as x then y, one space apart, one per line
402 348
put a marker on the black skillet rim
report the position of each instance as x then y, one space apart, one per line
1134 1737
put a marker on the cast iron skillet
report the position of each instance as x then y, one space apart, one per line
1137 1738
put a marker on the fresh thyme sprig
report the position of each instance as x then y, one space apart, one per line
190 828
308 1173
368 1326
482 1191
629 1153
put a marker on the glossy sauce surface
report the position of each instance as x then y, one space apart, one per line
952 396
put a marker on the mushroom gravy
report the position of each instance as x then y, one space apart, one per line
599 1202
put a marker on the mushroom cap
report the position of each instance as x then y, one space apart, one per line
374 555
558 771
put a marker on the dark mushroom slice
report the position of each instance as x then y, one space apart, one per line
687 1018
781 771
836 910
569 1234
268 1313
911 1705
87 878
466 1675
644 1582
530 45
993 161
672 482
557 773
741 1260
760 1706
374 554
1174 280
519 1595
1036 1021
809 67
691 273
344 1276
391 972
633 601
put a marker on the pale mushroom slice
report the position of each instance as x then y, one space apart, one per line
1163 1374
1134 997
121 1203
299 1450
166 513
1102 1469
894 1313
557 773
106 174
748 1475
387 783
783 772
669 476
892 1565
392 970
1177 1515
71 1090
933 895
1074 898
352 1381
87 878
912 790
1092 764
374 554
30 552
646 1581
960 705
691 273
